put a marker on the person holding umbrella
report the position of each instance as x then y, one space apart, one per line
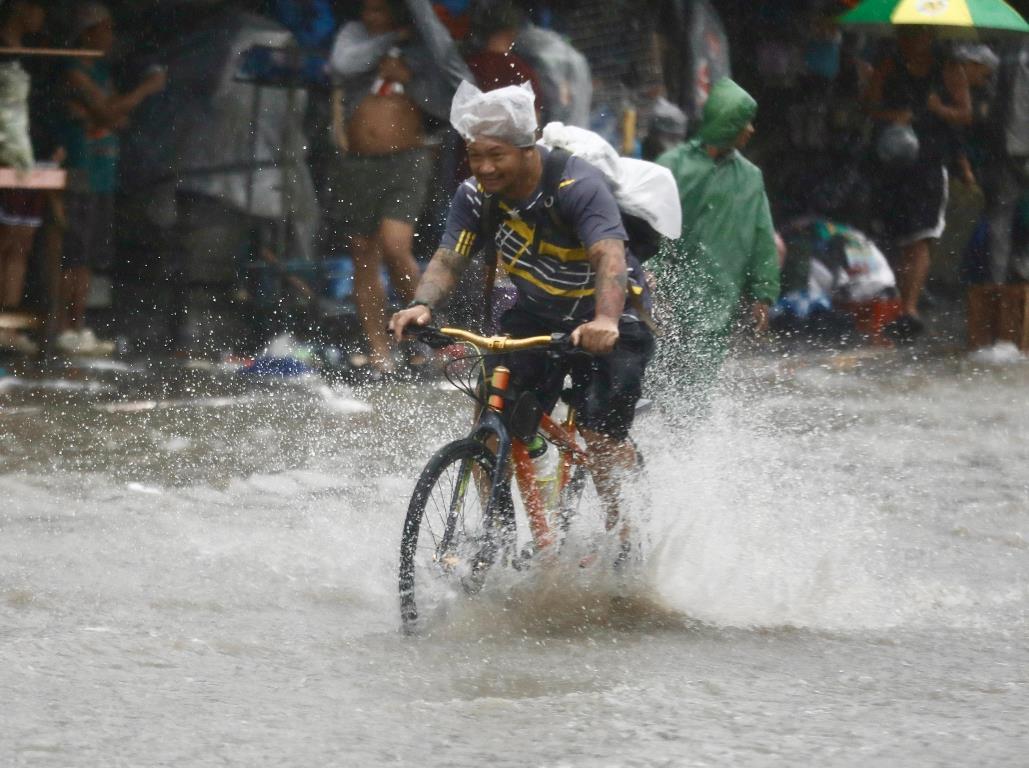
918 89
920 97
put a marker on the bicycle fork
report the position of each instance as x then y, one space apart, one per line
513 453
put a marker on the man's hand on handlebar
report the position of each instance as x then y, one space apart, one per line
597 337
418 315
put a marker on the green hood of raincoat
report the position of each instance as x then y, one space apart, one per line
727 249
727 111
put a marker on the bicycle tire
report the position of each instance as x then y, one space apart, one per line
442 552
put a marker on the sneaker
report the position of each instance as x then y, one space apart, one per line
17 342
68 341
89 344
905 329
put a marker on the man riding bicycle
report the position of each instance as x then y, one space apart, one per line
570 266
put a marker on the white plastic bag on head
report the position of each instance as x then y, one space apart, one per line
641 188
506 114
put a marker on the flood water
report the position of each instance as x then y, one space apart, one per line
199 570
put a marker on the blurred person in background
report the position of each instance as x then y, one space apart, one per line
94 111
727 254
21 210
917 88
1006 178
976 142
495 25
619 39
668 127
398 67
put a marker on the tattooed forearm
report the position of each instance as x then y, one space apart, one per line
608 260
440 277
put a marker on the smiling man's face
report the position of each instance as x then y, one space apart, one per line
500 168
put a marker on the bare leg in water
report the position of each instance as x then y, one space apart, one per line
390 245
397 240
74 290
912 274
611 460
15 244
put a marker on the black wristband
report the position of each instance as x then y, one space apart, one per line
419 303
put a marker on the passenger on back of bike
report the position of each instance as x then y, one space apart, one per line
572 272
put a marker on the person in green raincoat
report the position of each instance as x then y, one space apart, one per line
726 258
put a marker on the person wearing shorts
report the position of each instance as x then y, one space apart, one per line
21 210
921 88
94 111
392 78
380 187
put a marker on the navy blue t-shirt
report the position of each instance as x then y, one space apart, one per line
558 282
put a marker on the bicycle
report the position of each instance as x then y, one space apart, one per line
461 519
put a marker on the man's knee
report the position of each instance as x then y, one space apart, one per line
396 238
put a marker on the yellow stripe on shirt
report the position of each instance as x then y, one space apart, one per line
465 242
568 293
526 233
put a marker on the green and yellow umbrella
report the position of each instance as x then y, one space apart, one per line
956 17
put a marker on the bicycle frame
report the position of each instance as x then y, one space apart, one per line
511 449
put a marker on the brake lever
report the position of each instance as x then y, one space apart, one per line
429 335
561 346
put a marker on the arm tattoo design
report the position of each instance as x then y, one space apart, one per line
612 280
440 276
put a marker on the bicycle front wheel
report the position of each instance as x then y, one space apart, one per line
453 531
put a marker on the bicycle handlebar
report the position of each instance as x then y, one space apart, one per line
441 337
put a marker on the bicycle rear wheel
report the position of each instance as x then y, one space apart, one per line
581 512
453 533
578 498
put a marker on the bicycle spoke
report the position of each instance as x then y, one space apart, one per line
449 541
